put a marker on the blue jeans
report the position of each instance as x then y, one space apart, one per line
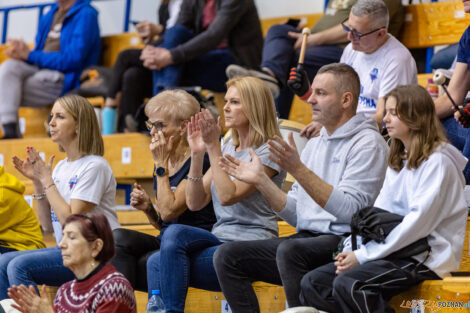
5 250
445 57
184 259
207 70
460 138
32 267
280 56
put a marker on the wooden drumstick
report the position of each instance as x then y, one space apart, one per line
305 33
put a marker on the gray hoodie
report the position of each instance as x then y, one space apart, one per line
353 160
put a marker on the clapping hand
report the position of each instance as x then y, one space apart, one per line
210 130
140 199
284 154
161 148
248 172
34 167
27 301
196 144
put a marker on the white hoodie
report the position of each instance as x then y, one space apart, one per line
432 200
353 161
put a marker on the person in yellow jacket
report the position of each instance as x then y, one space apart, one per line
19 227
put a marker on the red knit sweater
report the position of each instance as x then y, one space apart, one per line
106 291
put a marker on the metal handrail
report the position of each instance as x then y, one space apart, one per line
6 11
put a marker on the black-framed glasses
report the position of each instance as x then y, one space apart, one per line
355 34
158 125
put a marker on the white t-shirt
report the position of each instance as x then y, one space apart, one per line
390 66
90 179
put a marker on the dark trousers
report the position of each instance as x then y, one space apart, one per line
459 137
364 288
133 80
207 70
277 261
279 56
133 248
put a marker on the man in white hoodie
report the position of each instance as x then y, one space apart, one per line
338 173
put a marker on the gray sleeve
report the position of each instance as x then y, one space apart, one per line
360 183
263 152
289 212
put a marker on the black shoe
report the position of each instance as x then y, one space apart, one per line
271 82
11 131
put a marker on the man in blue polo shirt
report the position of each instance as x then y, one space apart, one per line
458 88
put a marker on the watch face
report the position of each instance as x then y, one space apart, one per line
161 171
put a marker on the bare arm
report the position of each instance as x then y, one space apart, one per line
170 204
198 192
141 201
330 36
458 87
379 114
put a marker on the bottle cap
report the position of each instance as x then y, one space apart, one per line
155 292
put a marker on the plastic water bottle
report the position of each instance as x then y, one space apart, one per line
155 304
109 121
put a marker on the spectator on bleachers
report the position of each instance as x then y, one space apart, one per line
338 173
380 60
131 81
185 257
325 45
82 182
87 246
424 183
209 35
67 41
168 115
458 87
19 226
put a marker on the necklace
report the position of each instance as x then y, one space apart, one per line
175 167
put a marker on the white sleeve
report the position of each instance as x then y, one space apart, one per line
345 57
92 183
429 205
400 71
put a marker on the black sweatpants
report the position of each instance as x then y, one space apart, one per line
364 288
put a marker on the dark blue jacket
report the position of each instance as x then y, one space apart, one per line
79 43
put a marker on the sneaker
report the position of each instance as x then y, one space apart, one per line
301 309
11 131
271 82
130 123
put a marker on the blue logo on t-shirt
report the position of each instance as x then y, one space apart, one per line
73 181
373 74
53 216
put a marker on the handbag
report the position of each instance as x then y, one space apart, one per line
373 223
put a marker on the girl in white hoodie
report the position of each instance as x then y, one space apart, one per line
424 183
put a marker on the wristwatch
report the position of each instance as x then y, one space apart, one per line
161 171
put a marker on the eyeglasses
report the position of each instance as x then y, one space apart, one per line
158 125
355 34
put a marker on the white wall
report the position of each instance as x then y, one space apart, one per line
23 23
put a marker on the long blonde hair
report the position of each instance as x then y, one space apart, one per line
258 106
416 109
88 130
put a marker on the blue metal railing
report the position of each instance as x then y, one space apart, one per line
6 11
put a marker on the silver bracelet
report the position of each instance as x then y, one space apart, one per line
195 178
38 196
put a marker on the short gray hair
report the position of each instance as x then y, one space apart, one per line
376 10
